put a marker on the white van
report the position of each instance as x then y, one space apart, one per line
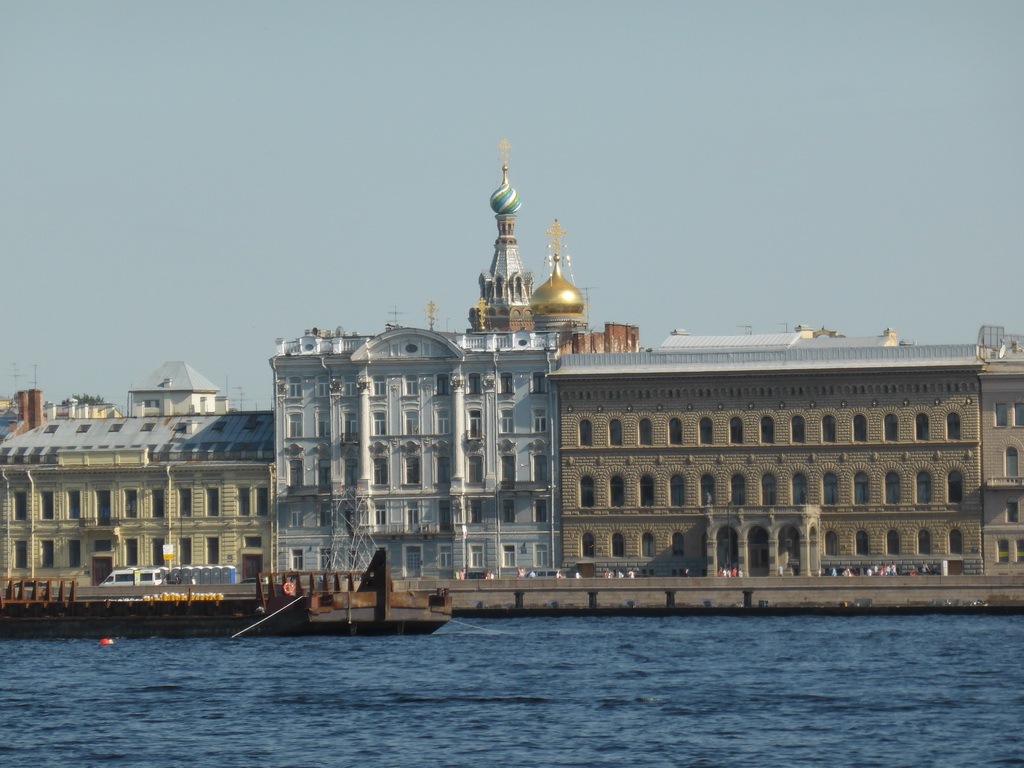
135 577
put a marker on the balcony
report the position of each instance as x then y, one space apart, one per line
98 524
1004 483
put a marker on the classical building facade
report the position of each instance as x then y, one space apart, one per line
787 453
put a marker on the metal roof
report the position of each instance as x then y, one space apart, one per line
175 376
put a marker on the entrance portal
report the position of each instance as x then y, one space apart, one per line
757 546
728 547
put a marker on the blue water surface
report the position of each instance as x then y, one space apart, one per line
796 691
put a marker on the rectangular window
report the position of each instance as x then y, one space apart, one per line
412 384
541 556
295 386
323 424
243 499
46 499
295 473
444 515
46 547
351 472
508 469
508 556
540 468
1003 546
262 502
212 550
476 469
1018 414
1001 415
412 470
476 422
131 551
349 387
444 469
325 559
539 382
21 554
213 502
442 383
157 553
508 511
103 545
103 504
351 426
412 422
380 386
74 504
540 420
298 562
444 556
444 421
380 515
540 511
185 551
74 553
322 387
185 502
474 384
20 505
380 426
324 473
131 503
380 471
158 505
476 511
507 424
253 542
412 515
476 556
508 386
295 425
324 515
297 518
1012 510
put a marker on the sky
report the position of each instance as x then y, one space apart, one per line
191 181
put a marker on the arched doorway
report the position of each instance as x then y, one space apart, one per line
757 547
727 550
789 550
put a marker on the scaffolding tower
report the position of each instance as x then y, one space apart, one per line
352 547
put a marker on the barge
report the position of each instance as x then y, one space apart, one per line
285 604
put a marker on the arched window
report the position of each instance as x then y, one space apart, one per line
830 489
587 548
677 544
892 427
647 544
617 491
862 543
828 429
586 432
586 492
861 488
892 543
799 488
677 491
675 431
618 545
924 488
798 430
956 542
707 490
646 491
831 544
767 429
953 426
738 487
924 542
1012 462
892 488
768 492
615 432
706 432
921 426
646 432
860 428
955 487
735 430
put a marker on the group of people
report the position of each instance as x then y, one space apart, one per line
734 572
890 569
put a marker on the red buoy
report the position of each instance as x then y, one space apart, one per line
106 641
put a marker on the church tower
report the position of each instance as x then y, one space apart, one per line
558 305
506 288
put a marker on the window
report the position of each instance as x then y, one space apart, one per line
262 502
647 545
706 430
863 547
476 421
476 511
799 489
617 491
924 542
74 504
955 487
185 551
586 492
1012 510
924 488
21 554
1018 414
476 469
541 556
323 424
294 386
891 427
828 429
294 425
892 543
412 384
412 515
540 468
735 430
952 426
767 429
921 426
646 491
1002 415
474 384
587 545
444 469
46 548
677 491
213 502
675 432
678 545
507 424
159 505
707 490
441 384
539 381
540 420
350 425
1012 463
508 469
507 385
508 556
892 488
298 562
380 386
322 387
860 428
956 542
861 488
103 504
1003 547
768 491
295 473
380 515
831 544
738 490
798 430
156 553
618 545
243 500
540 511
444 421
84 427
615 432
46 500
75 553
380 471
412 422
325 558
380 426
646 432
185 502
476 556
586 432
830 490
412 470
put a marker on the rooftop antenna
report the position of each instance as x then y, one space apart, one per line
15 375
241 398
785 326
746 328
394 314
35 375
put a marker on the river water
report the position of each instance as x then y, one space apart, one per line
885 691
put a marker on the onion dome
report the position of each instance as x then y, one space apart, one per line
557 297
505 200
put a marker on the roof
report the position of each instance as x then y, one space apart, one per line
682 342
177 377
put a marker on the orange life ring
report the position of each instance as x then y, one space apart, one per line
288 588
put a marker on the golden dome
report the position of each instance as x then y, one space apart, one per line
557 297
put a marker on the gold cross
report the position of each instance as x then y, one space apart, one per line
431 314
556 233
504 147
481 314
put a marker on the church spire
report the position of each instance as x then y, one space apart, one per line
506 288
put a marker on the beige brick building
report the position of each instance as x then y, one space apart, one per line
795 452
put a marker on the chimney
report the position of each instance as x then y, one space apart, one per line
30 411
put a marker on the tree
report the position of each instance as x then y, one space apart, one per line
89 399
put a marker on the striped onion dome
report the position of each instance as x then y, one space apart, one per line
505 200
